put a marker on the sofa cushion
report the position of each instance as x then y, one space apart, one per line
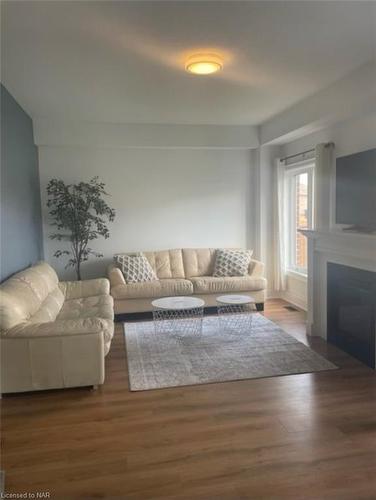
198 261
153 289
100 306
85 288
230 262
212 284
49 308
22 294
167 263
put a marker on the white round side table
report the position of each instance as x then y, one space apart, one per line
235 313
179 316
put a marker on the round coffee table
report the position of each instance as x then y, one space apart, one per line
235 313
179 316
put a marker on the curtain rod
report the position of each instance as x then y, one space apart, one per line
298 154
305 152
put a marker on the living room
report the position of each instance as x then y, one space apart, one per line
211 168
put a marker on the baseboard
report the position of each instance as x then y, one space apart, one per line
294 300
273 294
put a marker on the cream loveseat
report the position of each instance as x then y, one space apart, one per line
53 335
186 271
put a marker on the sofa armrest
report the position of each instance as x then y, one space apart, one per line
51 361
87 288
59 328
256 269
115 276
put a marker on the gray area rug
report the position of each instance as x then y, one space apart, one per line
161 359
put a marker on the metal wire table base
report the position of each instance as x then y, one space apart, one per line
182 324
235 318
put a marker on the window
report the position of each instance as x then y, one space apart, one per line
299 210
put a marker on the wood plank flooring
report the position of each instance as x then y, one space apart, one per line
310 436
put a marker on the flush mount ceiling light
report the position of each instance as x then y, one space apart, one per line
204 64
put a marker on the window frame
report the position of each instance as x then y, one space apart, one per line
306 166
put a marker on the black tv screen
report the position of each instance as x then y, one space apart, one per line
356 190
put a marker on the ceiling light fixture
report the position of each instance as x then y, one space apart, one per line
204 64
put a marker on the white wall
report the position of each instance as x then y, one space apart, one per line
343 113
164 198
200 187
50 132
350 136
353 95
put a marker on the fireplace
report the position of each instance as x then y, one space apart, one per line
351 305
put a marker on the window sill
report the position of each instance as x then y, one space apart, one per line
296 275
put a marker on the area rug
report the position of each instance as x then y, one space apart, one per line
159 359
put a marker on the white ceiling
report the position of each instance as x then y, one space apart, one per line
122 62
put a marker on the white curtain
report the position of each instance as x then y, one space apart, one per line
280 227
323 186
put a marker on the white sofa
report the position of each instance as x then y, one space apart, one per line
186 271
53 335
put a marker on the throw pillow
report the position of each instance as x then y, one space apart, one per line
135 268
229 262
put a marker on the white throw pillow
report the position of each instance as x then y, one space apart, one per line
135 268
229 262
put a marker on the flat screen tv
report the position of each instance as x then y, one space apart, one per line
356 190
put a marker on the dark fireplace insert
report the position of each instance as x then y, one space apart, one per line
351 306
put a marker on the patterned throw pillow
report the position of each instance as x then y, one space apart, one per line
230 262
136 268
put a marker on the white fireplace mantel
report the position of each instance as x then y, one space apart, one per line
338 246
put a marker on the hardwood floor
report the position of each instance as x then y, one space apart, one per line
300 436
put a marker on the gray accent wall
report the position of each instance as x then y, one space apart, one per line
20 209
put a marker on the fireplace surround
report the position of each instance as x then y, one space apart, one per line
334 247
